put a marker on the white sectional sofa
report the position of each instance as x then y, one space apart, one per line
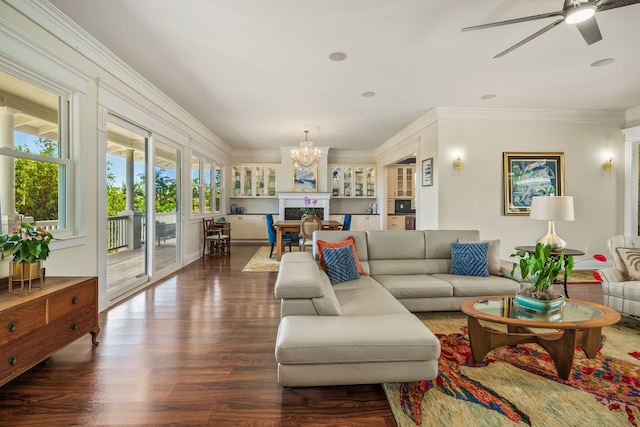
621 287
362 331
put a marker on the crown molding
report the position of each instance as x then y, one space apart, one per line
632 115
256 153
392 143
575 116
61 26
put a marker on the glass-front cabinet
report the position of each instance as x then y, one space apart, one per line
405 182
253 180
353 181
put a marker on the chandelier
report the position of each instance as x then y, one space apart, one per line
306 155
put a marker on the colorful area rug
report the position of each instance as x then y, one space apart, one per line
519 386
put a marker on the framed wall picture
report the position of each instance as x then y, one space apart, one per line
527 175
305 179
427 172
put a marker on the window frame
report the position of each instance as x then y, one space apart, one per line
67 104
214 188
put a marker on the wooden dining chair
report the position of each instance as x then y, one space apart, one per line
217 235
308 225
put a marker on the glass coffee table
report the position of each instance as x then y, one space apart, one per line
578 322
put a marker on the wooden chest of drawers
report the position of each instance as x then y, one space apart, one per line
37 324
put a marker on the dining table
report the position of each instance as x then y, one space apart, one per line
293 226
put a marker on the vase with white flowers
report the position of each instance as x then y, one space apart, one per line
28 246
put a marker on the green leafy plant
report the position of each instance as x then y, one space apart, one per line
543 267
27 243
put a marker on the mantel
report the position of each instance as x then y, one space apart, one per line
296 200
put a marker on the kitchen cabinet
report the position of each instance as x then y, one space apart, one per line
402 181
248 226
355 181
253 180
360 222
395 222
409 222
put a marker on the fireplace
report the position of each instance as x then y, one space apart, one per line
290 204
296 213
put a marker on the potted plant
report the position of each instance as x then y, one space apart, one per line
309 210
29 246
543 267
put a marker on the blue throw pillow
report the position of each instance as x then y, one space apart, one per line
341 264
470 259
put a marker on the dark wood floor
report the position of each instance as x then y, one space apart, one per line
195 349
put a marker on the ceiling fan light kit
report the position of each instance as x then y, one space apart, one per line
580 13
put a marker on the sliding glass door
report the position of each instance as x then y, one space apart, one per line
167 206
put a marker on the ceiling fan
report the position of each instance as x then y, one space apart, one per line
580 13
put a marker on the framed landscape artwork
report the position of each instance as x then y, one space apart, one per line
305 179
427 172
530 174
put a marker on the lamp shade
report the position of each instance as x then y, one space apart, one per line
552 208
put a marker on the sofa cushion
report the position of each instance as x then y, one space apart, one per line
631 259
470 259
495 265
321 244
415 286
396 244
298 277
365 296
353 339
439 241
398 266
341 263
474 286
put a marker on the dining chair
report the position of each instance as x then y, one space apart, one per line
346 222
308 225
286 237
217 235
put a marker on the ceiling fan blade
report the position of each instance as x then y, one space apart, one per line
515 21
531 37
590 30
613 4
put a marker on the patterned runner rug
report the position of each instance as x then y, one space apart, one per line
519 386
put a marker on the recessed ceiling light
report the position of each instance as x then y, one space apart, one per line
368 94
488 96
602 62
338 56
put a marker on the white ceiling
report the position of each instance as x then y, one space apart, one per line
257 72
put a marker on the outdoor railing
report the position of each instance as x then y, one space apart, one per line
117 232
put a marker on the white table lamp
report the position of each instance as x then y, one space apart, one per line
552 208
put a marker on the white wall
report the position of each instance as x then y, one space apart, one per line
474 198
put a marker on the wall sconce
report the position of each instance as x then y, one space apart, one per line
608 165
457 165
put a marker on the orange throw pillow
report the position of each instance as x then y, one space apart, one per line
350 241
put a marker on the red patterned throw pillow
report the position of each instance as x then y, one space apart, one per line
321 244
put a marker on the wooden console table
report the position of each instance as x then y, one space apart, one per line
35 325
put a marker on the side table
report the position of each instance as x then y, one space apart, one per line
556 253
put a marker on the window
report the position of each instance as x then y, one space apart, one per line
34 154
207 186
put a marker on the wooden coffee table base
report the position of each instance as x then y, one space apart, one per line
560 345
